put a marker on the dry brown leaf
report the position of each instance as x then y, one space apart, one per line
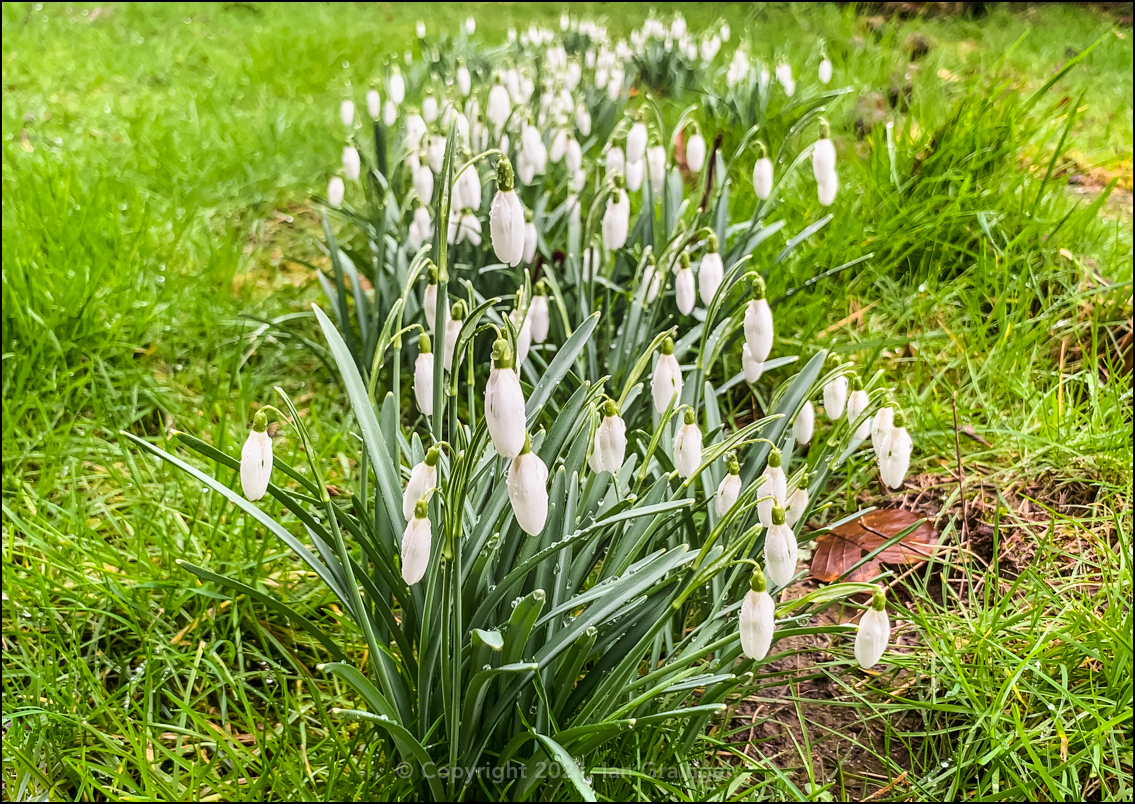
840 549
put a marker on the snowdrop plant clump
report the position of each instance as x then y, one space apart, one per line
548 537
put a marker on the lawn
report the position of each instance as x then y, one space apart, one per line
159 168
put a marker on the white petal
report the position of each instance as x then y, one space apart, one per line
423 478
528 492
256 465
872 638
758 622
504 412
805 424
424 383
835 398
416 550
687 450
759 329
710 275
666 383
780 554
727 493
684 290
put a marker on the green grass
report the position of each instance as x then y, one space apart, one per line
150 156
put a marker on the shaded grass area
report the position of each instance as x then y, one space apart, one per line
157 162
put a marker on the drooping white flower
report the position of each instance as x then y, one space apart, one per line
784 76
724 31
730 487
389 113
424 376
506 218
374 104
895 460
573 156
538 317
823 158
528 490
504 403
835 397
825 71
636 172
804 425
615 84
687 447
857 403
421 29
616 221
397 87
636 142
711 272
435 152
758 619
467 189
464 81
684 293
347 112
615 161
656 165
695 153
500 107
666 384
464 226
559 146
874 632
351 163
335 191
415 131
758 323
610 441
430 301
256 459
797 505
470 26
762 178
416 543
530 238
753 368
452 331
881 427
424 184
429 109
421 228
423 481
773 490
826 189
780 549
652 279
583 120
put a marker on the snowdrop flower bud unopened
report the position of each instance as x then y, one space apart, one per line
827 188
464 81
559 146
435 152
758 323
538 317
347 112
424 376
825 71
500 107
881 428
615 161
467 189
429 108
666 385
583 120
636 142
730 488
857 403
773 491
397 87
695 153
335 191
762 178
804 424
780 549
874 632
758 618
784 76
753 368
470 26
416 541
610 447
415 130
711 272
684 293
504 403
797 505
530 236
256 459
421 29
429 298
895 460
636 172
452 331
424 184
528 491
573 155
835 397
351 164
389 113
616 221
823 157
687 447
423 480
656 164
506 218
374 104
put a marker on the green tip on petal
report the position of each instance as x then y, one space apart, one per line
610 408
424 344
879 599
541 288
431 273
731 464
825 129
758 289
689 417
619 181
684 260
757 581
668 346
899 420
502 354
457 312
432 455
505 177
774 457
421 509
260 421
777 515
527 444
856 383
711 243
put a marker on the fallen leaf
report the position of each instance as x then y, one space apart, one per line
840 549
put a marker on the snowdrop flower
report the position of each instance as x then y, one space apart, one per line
695 153
652 278
538 316
256 459
804 425
784 76
666 385
423 481
467 189
470 26
583 120
531 144
565 21
464 81
895 460
758 618
435 152
559 146
500 107
424 183
429 298
711 272
421 29
523 332
452 331
857 404
874 632
636 142
724 31
636 171
525 170
374 104
825 71
530 237
429 108
506 217
684 293
528 490
753 368
687 447
573 205
762 178
396 87
656 165
615 84
573 155
835 396
347 112
335 191
610 446
773 491
389 113
823 155
464 226
780 549
616 162
758 323
424 376
730 488
421 228
881 427
351 164
572 78
797 505
827 188
504 403
416 541
616 220
415 130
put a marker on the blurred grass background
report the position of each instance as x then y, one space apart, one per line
157 166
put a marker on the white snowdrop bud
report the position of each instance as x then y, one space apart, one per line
773 490
256 459
506 218
347 112
615 84
351 164
464 81
636 172
804 425
538 317
504 403
835 397
452 331
525 170
797 505
615 161
857 403
611 439
500 107
652 278
753 368
780 550
695 153
528 490
687 447
895 460
758 323
429 109
421 29
636 142
762 178
435 152
684 293
423 480
725 31
874 632
470 26
389 113
666 384
565 21
424 184
730 487
416 543
825 71
374 104
467 189
429 299
711 272
827 188
571 81
616 221
523 334
656 164
415 130
335 191
559 146
784 76
530 237
583 120
397 87
823 156
424 376
758 619
881 427
573 155
469 228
